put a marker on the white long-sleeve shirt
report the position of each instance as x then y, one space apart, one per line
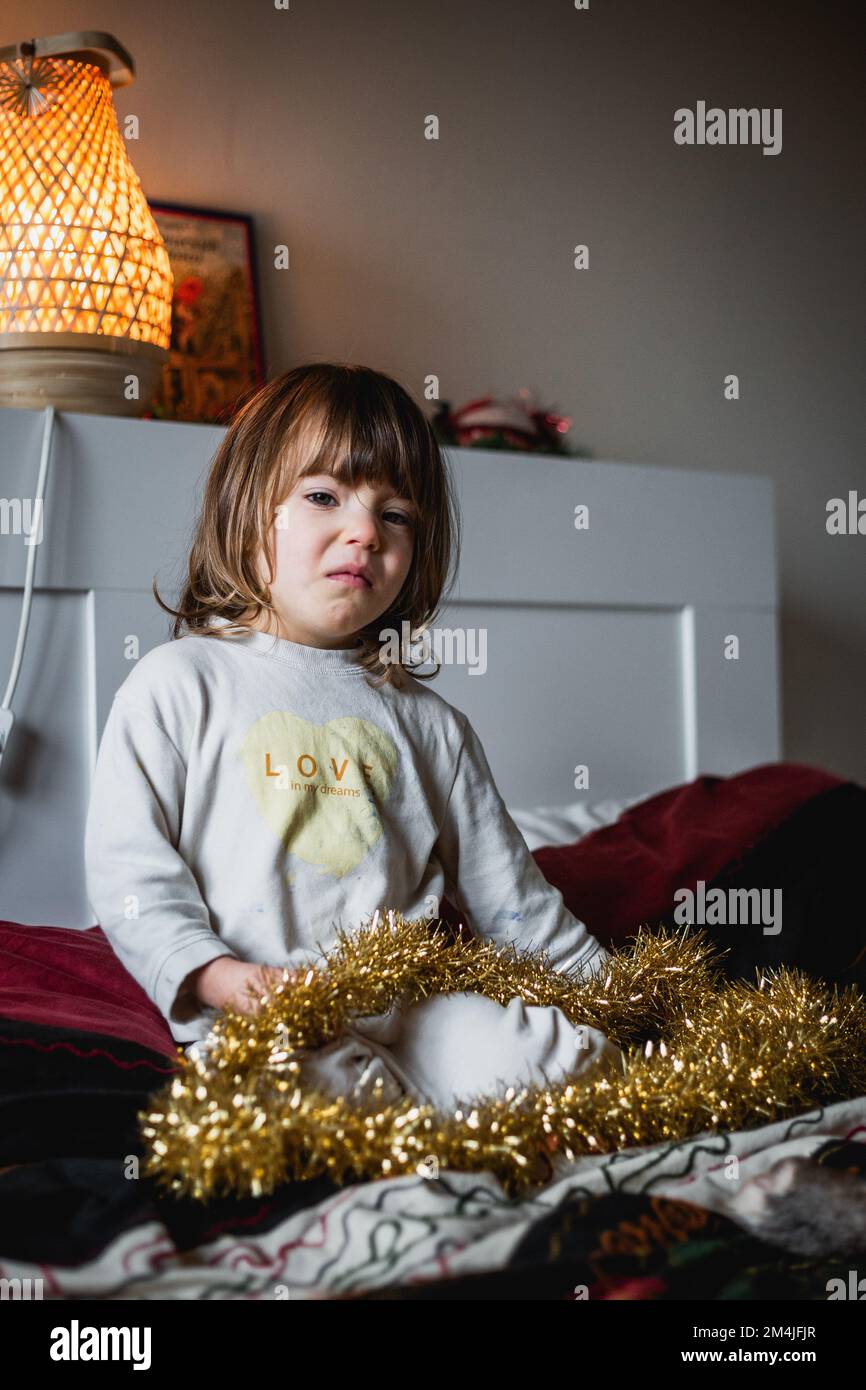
253 794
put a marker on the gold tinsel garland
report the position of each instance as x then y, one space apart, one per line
702 1053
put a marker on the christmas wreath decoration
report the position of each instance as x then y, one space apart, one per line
702 1053
517 423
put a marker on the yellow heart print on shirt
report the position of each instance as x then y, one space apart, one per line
317 785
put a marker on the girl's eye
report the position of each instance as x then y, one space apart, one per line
401 516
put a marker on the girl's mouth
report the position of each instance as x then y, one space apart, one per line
354 581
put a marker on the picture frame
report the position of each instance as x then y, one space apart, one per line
216 353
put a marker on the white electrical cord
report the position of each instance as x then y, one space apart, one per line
6 715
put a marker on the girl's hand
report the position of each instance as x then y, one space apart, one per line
237 984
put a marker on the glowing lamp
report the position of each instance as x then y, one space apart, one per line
85 280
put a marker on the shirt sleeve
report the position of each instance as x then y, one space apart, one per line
144 895
492 878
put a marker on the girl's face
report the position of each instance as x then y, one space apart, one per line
324 528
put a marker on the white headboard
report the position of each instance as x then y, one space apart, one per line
605 646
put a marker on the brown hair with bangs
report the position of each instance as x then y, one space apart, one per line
361 427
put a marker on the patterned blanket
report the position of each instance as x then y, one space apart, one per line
714 1217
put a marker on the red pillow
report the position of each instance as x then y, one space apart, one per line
627 873
73 979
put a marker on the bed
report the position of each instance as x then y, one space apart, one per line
635 758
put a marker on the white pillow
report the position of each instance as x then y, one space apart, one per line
563 825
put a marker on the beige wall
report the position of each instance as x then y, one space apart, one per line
455 257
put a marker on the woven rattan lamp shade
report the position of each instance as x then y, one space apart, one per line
85 280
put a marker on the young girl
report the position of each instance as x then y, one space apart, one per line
267 775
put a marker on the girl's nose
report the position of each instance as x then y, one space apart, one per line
362 525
